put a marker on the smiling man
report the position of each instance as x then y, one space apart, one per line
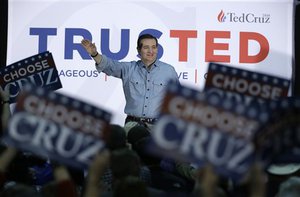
144 81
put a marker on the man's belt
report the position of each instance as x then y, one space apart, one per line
138 119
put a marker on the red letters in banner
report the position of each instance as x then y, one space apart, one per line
211 45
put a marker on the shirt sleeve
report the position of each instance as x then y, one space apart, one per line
176 77
100 67
112 67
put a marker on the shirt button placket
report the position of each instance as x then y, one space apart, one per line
147 93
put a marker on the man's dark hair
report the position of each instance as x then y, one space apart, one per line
145 36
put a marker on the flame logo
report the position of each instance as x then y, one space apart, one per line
221 16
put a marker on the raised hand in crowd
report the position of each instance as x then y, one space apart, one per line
96 169
63 183
206 182
6 157
257 181
253 184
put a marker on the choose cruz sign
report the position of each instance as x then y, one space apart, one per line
219 125
246 82
38 70
243 85
57 126
205 128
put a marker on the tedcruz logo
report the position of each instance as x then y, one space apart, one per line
243 17
221 17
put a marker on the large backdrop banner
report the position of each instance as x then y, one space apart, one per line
252 35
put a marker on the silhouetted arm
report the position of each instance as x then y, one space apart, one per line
96 170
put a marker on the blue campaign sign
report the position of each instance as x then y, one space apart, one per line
277 140
251 85
38 70
246 86
207 128
57 126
